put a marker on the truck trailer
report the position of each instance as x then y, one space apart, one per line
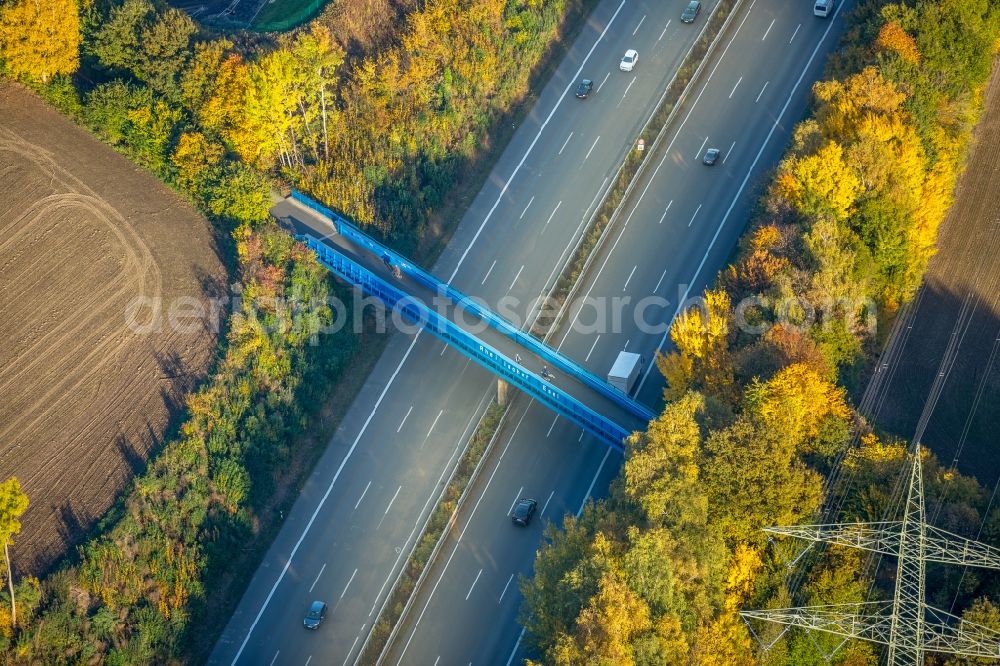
625 371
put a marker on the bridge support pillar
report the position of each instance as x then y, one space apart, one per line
502 388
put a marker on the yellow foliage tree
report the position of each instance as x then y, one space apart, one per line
39 40
892 37
795 401
608 624
193 156
821 184
701 335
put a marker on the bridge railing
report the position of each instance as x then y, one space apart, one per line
471 347
551 356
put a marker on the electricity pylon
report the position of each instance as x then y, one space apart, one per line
907 625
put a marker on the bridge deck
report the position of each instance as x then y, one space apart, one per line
303 220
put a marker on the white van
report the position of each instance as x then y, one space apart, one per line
823 8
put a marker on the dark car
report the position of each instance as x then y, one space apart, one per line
317 611
523 512
711 156
690 12
584 88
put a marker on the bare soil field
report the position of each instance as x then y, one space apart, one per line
89 244
957 316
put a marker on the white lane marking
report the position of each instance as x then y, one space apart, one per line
768 31
664 216
728 152
437 660
554 421
404 418
652 178
624 95
761 92
321 570
310 658
702 147
551 215
664 30
431 429
392 500
510 659
322 501
461 534
735 87
625 348
695 215
354 644
363 493
602 83
516 497
487 276
443 349
538 135
591 149
640 23
592 482
433 494
349 583
746 179
595 197
471 587
629 278
582 433
529 204
275 657
505 589
515 278
564 145
592 348
657 287
546 504
797 32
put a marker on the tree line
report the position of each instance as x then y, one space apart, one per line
754 422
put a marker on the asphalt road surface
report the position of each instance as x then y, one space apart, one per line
680 230
345 539
359 512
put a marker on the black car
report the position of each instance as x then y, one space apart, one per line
317 611
711 156
584 88
523 512
690 12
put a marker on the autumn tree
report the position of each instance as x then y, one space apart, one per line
13 503
702 360
40 40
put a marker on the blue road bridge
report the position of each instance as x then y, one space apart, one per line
502 348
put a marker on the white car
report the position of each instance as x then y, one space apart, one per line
629 60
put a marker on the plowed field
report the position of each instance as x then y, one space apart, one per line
90 379
953 328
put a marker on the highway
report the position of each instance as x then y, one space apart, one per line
678 231
346 537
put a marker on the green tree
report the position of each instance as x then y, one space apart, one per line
116 43
13 503
164 50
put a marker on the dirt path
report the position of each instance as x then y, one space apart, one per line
85 394
958 315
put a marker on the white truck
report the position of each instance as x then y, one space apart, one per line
625 371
